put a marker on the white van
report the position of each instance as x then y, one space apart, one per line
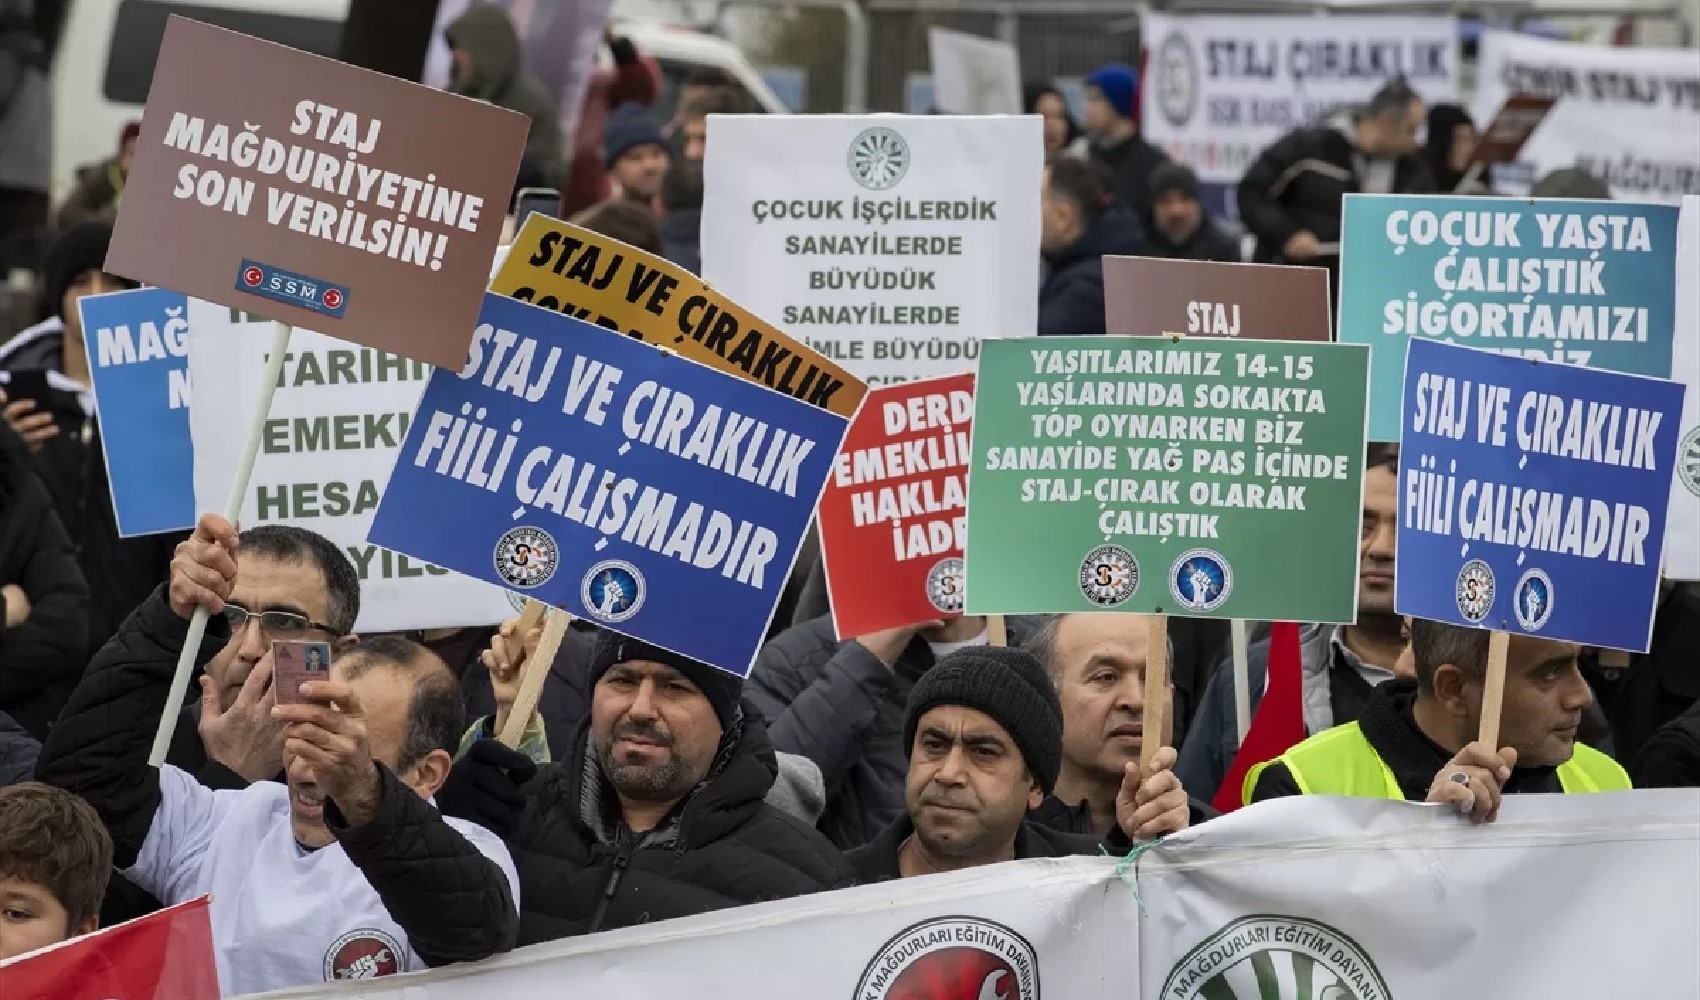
108 47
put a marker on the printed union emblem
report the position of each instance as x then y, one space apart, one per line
367 953
1474 591
1688 461
878 158
1201 580
1263 956
1109 575
1534 600
1177 80
613 590
526 557
944 585
952 958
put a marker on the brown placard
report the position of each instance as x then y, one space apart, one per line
1154 296
316 194
1511 128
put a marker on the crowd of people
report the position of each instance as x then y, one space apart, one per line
376 805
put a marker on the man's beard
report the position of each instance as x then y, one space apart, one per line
643 782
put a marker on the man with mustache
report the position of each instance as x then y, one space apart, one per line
985 732
1416 739
659 810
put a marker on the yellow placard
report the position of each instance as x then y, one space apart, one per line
557 265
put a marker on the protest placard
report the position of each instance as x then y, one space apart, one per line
600 280
893 510
1220 479
1627 114
1573 281
315 193
624 484
890 244
1222 89
1533 496
973 75
138 348
1152 296
338 418
1682 549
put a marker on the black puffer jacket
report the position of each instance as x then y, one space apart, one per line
18 751
838 705
42 656
581 870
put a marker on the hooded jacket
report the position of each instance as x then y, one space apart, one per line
498 75
1071 301
582 870
837 704
42 656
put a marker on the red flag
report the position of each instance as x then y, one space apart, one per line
163 956
1279 723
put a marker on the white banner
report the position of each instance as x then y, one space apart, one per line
974 75
336 425
1302 899
1682 530
1221 90
892 244
1629 115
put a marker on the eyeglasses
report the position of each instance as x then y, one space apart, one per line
273 623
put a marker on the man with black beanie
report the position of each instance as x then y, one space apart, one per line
1180 228
657 812
985 732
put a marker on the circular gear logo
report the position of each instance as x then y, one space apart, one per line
1109 575
332 298
1688 461
1474 591
252 276
945 586
1264 956
1177 80
526 557
1201 580
1533 600
613 590
952 958
367 953
878 158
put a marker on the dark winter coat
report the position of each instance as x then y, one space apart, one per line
1670 758
838 705
18 751
876 861
1658 685
1071 301
1054 814
487 32
582 870
1207 242
1126 169
420 866
42 656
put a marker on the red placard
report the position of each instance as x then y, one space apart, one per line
894 516
163 956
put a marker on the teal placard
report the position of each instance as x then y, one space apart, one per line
1578 282
1201 478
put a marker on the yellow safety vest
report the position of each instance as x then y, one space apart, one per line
1341 761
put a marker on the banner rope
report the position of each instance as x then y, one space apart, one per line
1125 867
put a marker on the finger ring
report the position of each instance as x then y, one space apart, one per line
1460 777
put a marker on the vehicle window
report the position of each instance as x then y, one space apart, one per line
140 26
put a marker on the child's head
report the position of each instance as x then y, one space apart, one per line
55 859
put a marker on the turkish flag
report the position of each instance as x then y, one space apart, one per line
163 956
1279 724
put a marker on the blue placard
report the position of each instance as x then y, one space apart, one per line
138 347
630 486
1532 496
1579 282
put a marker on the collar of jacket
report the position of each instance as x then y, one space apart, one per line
877 860
735 788
1390 725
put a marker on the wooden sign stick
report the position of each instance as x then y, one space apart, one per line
1156 691
997 634
1493 688
535 671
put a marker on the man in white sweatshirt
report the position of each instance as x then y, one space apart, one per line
347 871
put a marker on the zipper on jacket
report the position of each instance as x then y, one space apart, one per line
621 861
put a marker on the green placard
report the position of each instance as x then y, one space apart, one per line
1202 478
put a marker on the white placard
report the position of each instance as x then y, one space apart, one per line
1221 90
891 243
1682 528
1629 115
1359 899
337 423
974 75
